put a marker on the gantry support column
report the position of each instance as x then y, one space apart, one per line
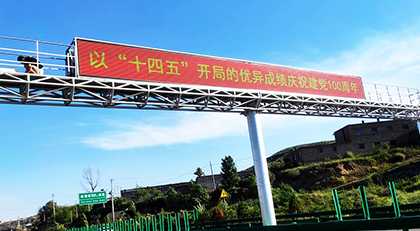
261 168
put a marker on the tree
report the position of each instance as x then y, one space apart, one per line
141 194
156 193
174 200
90 182
198 194
199 172
47 209
230 177
272 178
282 194
45 216
81 221
56 227
294 204
251 186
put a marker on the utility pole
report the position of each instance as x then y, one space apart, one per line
212 175
112 202
53 205
103 204
75 205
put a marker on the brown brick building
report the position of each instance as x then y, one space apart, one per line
359 138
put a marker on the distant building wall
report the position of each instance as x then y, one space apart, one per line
129 194
183 187
394 133
205 181
315 154
359 138
341 136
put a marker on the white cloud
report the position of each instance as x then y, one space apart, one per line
388 59
187 127
182 128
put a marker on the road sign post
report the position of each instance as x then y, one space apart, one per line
92 198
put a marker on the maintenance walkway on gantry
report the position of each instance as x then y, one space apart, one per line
59 86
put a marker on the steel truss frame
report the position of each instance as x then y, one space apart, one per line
20 88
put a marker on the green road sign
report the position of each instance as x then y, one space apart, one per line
92 198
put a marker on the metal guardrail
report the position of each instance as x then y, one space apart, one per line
170 222
365 218
353 217
325 220
401 223
384 219
317 217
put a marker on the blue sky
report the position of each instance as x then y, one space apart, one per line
45 149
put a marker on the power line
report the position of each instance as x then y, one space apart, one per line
177 177
140 177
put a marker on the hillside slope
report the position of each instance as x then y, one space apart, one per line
380 166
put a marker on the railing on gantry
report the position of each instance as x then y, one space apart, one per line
59 60
383 93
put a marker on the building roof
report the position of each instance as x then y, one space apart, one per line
372 123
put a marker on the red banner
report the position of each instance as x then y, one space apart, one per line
102 59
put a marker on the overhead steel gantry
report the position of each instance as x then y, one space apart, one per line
21 88
382 101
